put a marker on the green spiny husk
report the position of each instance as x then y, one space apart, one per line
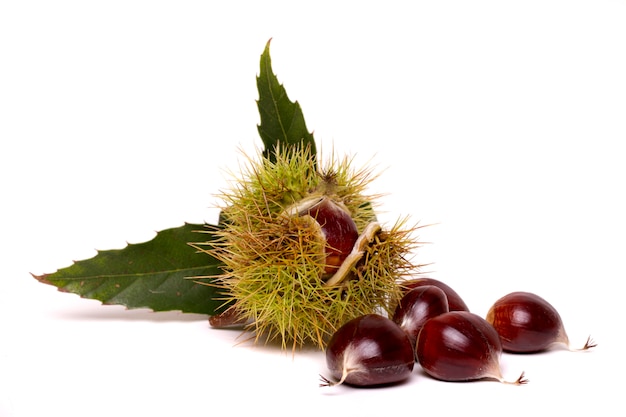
273 263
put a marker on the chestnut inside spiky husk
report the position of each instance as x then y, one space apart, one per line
277 272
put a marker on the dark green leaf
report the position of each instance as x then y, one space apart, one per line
282 121
157 274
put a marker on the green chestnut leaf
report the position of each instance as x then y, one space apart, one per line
158 274
282 121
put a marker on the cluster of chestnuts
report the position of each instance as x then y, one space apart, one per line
433 327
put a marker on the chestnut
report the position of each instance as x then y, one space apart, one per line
339 229
528 323
460 346
369 350
418 305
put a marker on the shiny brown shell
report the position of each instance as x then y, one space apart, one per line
526 322
369 350
459 346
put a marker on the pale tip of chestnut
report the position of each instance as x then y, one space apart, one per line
522 380
325 382
589 344
493 372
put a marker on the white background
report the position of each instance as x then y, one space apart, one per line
500 122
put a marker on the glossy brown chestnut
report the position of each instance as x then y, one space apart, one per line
460 346
528 323
417 306
455 302
367 351
338 228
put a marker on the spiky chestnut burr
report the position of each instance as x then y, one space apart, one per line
286 274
